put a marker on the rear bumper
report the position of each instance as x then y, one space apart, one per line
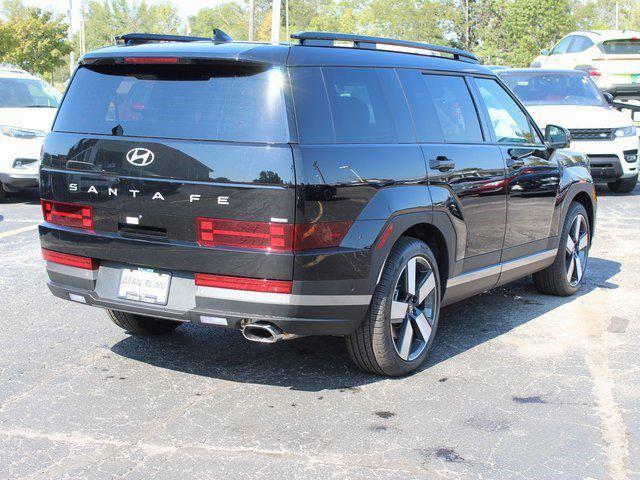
623 91
296 314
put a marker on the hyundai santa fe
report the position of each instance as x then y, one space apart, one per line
304 189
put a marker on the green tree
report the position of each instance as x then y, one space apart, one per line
232 17
107 19
530 25
32 38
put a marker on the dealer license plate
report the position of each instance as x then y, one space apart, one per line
144 285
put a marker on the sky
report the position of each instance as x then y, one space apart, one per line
185 7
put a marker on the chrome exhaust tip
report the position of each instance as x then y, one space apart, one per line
262 332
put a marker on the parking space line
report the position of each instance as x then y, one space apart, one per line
18 230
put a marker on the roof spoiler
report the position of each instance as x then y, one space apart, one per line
130 39
326 39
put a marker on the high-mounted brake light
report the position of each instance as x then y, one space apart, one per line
151 60
276 237
68 214
69 260
243 283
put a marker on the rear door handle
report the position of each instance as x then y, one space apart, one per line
442 163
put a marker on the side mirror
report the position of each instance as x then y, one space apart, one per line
557 137
544 52
608 97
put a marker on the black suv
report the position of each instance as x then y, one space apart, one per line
307 189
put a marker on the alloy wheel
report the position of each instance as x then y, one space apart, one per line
414 308
577 250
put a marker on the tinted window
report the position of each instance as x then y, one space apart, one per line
455 109
562 47
509 122
194 102
312 107
629 46
553 88
580 44
423 111
367 105
27 93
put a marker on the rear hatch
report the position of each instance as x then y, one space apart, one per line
156 147
620 59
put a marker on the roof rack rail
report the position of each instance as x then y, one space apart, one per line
359 41
141 38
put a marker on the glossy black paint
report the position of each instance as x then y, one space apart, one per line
481 204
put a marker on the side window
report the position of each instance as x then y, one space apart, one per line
579 44
454 107
367 105
562 47
313 116
423 111
509 122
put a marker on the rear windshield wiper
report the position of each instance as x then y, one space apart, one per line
38 106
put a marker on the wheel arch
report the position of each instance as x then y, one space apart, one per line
432 228
586 201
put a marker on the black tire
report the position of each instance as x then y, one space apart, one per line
3 193
372 346
624 185
554 280
140 325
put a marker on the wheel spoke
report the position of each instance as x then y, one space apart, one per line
428 285
398 310
570 269
410 273
583 242
571 245
578 268
405 340
576 227
424 327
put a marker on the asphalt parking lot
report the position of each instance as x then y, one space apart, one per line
518 385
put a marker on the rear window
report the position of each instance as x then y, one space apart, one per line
630 46
229 103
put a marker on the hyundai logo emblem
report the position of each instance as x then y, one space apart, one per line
140 157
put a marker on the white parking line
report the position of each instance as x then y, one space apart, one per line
18 230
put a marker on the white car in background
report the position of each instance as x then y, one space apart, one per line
27 109
610 57
570 99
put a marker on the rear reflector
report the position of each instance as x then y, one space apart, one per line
68 214
69 260
151 60
242 283
277 237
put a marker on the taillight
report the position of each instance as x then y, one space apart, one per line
77 261
213 232
310 236
243 283
594 73
68 214
277 237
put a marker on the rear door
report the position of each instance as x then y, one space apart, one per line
151 148
466 174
